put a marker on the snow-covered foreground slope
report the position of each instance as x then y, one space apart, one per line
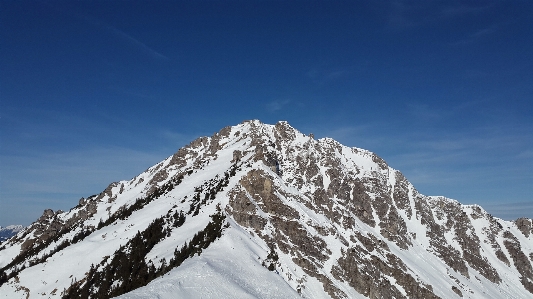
230 268
264 211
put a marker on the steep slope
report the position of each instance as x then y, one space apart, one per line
263 211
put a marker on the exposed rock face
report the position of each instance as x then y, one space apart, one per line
371 276
525 226
339 221
435 232
349 197
521 262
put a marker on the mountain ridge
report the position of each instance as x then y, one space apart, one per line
341 222
9 231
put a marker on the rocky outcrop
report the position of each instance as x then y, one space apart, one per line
435 232
520 260
369 269
337 222
344 196
525 226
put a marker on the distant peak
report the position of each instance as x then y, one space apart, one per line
252 122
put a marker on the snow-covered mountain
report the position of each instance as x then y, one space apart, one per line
9 231
264 211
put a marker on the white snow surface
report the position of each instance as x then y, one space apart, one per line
232 267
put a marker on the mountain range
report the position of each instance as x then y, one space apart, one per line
9 231
265 211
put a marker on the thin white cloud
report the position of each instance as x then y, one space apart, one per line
321 76
74 171
484 32
57 180
428 112
277 105
118 33
132 93
424 111
403 14
477 36
462 9
399 16
142 46
526 154
510 210
473 74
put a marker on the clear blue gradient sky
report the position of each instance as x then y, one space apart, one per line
93 92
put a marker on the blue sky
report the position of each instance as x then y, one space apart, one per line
93 92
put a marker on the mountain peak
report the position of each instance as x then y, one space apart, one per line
266 211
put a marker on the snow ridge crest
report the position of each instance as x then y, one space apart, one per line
266 211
